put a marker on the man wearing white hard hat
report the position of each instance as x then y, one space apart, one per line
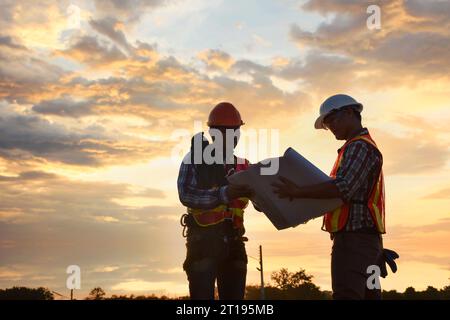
357 179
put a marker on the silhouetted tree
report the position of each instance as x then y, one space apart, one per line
23 293
445 293
285 280
289 285
96 294
392 295
431 293
410 294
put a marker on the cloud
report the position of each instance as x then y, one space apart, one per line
423 243
154 90
24 73
250 67
9 274
129 10
261 41
422 52
420 148
110 27
142 83
50 195
257 100
440 194
412 43
337 35
107 269
106 219
93 51
29 176
66 221
111 47
30 138
442 261
8 41
412 154
327 6
23 137
435 10
64 107
145 52
216 59
323 72
443 225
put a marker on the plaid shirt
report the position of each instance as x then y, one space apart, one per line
193 197
355 179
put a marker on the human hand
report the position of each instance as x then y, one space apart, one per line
237 191
285 188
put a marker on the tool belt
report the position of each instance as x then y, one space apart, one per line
225 230
220 242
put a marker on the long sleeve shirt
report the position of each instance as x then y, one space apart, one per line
193 197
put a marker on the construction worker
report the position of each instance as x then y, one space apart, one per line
357 179
214 219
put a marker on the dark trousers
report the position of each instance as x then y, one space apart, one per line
212 257
351 255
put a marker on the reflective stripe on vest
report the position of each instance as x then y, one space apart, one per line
336 220
234 210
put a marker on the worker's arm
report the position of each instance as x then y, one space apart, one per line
193 197
358 162
285 188
249 192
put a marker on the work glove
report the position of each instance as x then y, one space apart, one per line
388 258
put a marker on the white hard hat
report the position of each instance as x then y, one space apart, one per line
335 102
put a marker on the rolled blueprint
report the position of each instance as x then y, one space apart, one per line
282 212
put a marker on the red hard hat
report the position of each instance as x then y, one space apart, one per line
224 115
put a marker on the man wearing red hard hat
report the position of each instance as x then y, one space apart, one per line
215 211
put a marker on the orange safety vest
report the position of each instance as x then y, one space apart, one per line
336 220
234 210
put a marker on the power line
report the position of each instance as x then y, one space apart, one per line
61 295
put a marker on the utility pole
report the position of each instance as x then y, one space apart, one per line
261 271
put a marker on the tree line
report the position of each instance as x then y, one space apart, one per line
285 285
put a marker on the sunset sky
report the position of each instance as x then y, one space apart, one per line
93 95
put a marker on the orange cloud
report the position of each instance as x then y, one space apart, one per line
413 43
216 59
440 194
